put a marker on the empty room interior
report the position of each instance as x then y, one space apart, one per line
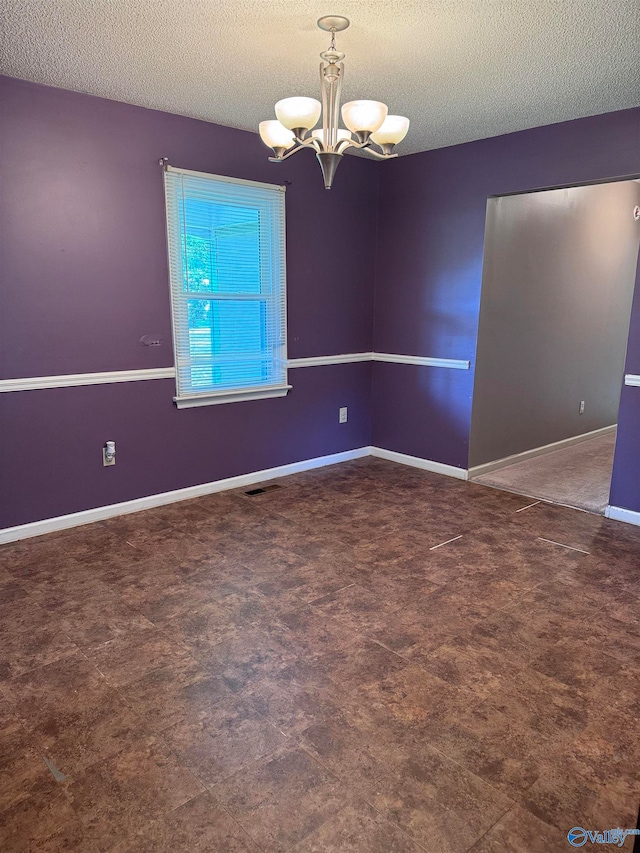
319 470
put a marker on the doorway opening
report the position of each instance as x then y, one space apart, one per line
557 288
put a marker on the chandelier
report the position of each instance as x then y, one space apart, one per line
367 122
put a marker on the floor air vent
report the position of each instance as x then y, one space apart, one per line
264 489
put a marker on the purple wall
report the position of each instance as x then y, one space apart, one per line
83 274
625 483
51 464
429 271
422 411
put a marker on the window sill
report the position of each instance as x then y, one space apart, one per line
215 398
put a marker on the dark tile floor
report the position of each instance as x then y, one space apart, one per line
319 668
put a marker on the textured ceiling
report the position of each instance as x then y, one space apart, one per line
460 69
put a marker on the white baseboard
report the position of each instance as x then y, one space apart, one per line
478 470
62 522
618 513
75 519
417 462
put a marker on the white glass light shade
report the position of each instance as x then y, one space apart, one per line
274 135
364 115
342 134
298 112
392 131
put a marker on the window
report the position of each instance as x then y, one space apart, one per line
226 241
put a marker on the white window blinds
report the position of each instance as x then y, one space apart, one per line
226 242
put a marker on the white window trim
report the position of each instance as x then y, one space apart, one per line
229 395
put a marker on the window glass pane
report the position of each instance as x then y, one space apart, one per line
222 248
228 342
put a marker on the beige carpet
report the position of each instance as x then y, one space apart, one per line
578 476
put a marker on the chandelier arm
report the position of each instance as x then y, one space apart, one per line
366 147
299 147
309 142
377 154
342 146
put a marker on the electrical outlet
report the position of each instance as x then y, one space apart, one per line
581 409
109 453
342 415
